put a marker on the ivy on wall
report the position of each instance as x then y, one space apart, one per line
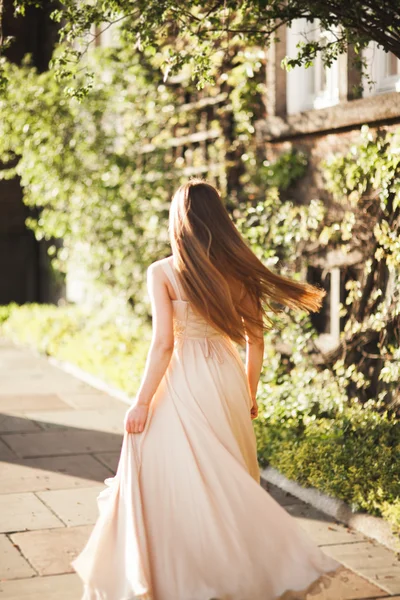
331 420
366 181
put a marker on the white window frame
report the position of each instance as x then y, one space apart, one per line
330 95
326 342
304 86
107 35
376 81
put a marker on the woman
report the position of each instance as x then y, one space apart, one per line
185 518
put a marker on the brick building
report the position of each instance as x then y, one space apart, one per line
320 110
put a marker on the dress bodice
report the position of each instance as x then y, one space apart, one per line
191 327
189 324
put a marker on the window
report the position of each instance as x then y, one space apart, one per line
382 72
329 322
104 35
317 86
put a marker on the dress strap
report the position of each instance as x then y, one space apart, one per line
172 277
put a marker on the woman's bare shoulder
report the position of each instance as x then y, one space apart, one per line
158 265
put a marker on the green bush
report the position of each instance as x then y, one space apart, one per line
352 456
108 345
329 421
311 432
5 312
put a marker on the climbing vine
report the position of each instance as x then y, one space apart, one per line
366 181
330 420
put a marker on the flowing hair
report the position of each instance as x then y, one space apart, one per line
208 252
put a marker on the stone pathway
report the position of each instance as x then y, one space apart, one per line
59 440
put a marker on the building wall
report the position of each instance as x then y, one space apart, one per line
333 115
321 113
24 267
318 146
19 263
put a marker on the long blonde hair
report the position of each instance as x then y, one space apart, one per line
209 251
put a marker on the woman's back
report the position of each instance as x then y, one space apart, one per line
185 517
189 324
187 321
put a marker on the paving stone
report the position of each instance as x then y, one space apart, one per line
29 370
20 361
91 400
7 346
34 402
44 382
56 442
371 560
52 473
58 587
12 564
107 419
74 507
345 585
321 528
282 497
17 424
47 426
109 459
19 512
5 453
50 551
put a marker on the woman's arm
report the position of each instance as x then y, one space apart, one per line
160 352
254 354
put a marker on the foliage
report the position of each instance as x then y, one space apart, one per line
99 175
365 184
95 191
284 171
348 452
192 33
308 428
5 312
366 181
274 227
112 347
107 197
330 421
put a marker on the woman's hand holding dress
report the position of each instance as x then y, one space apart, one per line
136 417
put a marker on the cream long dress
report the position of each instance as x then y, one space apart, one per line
185 518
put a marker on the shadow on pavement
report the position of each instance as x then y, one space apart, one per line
36 445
